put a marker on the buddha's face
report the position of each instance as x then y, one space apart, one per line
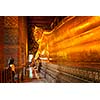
38 34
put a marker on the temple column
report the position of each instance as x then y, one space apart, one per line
1 42
23 40
11 37
15 39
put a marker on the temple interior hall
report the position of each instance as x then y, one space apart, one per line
50 49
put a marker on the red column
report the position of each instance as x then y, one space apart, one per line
1 42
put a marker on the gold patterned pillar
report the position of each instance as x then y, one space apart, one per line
11 37
15 39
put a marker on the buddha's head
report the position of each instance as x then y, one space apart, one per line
38 34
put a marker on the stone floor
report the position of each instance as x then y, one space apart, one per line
35 80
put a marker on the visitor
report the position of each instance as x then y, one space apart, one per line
11 69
